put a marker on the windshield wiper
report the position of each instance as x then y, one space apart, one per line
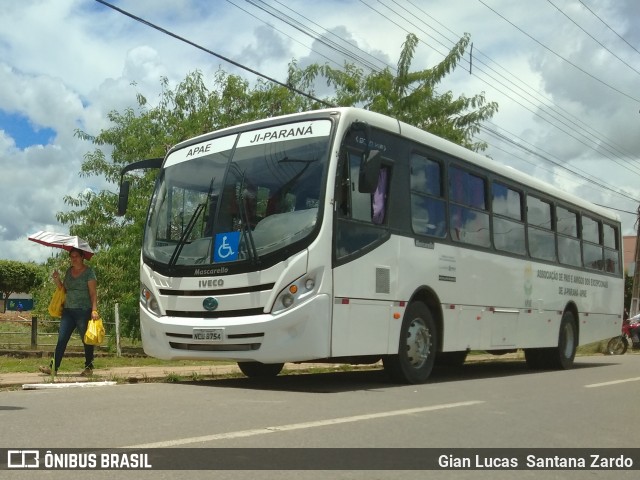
244 216
187 231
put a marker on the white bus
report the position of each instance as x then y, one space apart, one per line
347 236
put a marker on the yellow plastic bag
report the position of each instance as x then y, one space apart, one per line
57 303
95 332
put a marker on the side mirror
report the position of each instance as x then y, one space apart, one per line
369 172
123 197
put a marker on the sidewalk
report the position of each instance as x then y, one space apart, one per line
136 374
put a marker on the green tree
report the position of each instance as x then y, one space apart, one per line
19 277
408 96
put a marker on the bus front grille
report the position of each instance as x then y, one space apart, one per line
213 315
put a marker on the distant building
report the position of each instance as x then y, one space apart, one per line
17 299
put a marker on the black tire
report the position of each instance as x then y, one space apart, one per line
560 357
618 345
260 370
417 347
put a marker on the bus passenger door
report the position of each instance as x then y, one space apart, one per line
363 276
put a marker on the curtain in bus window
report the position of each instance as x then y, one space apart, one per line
360 202
380 197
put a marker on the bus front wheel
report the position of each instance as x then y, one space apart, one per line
260 370
417 347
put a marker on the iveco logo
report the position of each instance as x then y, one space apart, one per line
210 304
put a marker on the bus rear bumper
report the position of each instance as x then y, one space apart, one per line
298 334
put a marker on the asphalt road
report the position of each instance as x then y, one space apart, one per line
498 404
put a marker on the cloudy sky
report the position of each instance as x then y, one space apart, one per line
564 72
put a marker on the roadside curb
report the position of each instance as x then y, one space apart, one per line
146 374
43 386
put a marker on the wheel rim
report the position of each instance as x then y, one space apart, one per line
615 346
418 343
618 345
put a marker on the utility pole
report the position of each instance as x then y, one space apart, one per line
635 290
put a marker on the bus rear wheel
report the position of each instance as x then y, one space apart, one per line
560 357
417 347
260 370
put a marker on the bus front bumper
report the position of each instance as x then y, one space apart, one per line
298 334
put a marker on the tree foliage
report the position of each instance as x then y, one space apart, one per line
408 96
191 108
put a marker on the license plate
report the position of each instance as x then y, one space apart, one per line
209 334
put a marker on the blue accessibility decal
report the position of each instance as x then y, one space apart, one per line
226 247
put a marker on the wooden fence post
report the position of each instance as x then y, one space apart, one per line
34 332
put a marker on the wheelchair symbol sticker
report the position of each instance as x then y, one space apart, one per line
226 247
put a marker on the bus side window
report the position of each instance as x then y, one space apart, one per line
468 216
358 214
427 205
367 207
508 224
568 241
611 249
540 229
591 244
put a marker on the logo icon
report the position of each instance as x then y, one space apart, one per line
23 459
210 304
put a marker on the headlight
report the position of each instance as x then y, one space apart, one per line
148 300
295 293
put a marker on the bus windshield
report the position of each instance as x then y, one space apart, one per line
239 197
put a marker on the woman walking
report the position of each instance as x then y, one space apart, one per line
81 305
